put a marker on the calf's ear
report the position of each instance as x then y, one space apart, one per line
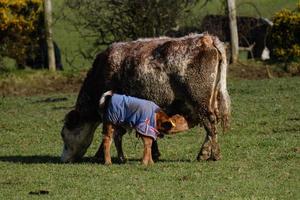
168 125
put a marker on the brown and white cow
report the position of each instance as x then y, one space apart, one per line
184 75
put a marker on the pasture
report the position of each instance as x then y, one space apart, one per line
260 154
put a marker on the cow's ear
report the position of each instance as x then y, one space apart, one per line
72 119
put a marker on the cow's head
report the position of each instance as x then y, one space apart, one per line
170 125
77 135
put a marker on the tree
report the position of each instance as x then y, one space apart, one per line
108 21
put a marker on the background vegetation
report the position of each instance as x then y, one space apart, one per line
78 51
20 23
74 47
284 37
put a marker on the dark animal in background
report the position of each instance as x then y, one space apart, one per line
182 31
250 31
184 75
37 58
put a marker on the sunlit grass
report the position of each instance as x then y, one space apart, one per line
260 154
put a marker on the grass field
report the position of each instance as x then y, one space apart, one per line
260 153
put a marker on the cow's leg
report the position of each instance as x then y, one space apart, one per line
155 151
210 149
108 131
147 156
100 153
118 143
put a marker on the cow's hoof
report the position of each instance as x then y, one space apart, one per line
122 160
155 156
99 159
205 152
203 156
216 153
215 157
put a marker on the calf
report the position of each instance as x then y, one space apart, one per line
149 121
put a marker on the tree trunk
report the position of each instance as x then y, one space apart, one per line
233 30
49 39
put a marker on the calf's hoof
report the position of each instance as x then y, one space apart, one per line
108 162
147 162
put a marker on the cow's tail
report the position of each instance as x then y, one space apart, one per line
223 98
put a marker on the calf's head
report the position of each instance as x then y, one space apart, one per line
170 125
77 135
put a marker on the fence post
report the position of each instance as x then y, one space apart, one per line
49 37
233 30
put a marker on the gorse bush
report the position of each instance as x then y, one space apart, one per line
19 27
285 35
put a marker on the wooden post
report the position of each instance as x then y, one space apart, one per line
49 39
233 30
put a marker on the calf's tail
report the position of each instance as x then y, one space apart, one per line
223 98
103 98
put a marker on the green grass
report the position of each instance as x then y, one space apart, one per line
260 153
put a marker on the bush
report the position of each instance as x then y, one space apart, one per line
110 21
284 37
19 32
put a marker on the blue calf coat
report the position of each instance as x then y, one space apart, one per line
135 112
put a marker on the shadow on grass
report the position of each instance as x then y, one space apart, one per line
44 159
37 159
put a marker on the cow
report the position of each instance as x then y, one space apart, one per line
185 76
37 56
251 31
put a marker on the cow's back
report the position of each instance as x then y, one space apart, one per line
164 70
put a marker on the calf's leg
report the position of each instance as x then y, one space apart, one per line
108 130
147 156
118 135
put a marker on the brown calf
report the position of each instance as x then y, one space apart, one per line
124 111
